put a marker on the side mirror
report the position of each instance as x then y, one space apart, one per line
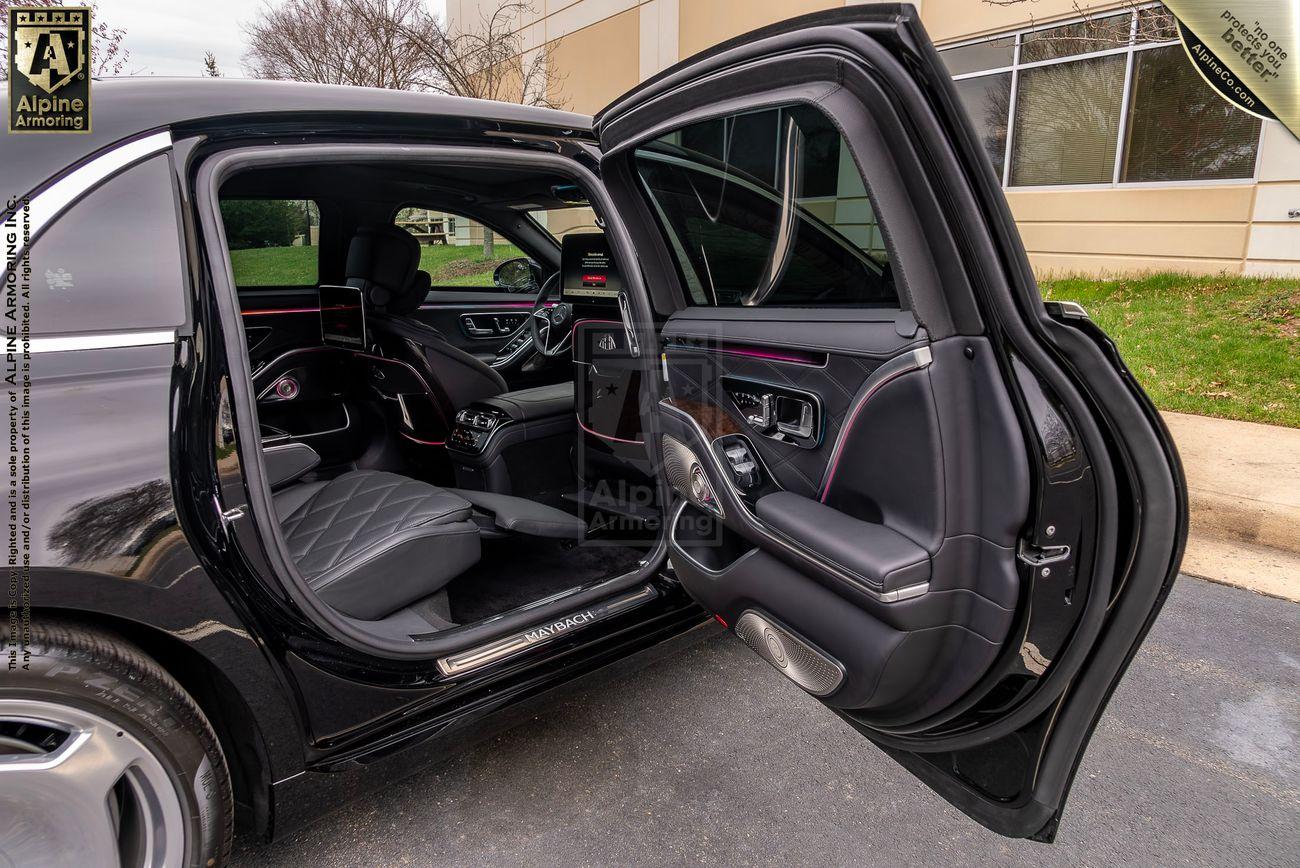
516 275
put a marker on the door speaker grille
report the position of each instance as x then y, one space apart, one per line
796 659
684 473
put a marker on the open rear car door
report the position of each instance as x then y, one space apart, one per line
940 506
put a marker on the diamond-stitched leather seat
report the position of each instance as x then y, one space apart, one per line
370 542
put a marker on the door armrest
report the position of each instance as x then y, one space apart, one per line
885 558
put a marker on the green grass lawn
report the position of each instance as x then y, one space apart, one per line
450 265
1215 346
274 266
447 264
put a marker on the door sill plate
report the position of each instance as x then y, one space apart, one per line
516 643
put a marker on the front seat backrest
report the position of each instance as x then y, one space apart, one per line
377 259
381 263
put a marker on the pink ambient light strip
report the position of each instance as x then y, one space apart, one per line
793 357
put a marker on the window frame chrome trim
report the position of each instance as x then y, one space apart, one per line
46 206
100 341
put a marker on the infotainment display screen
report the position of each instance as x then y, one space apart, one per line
587 271
342 317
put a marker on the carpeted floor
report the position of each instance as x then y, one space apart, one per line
513 572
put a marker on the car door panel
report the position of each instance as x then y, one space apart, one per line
876 527
965 559
305 390
499 313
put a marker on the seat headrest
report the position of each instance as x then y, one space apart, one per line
409 300
381 263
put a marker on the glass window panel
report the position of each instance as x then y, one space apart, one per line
746 142
1067 122
1156 24
731 235
1179 129
560 222
273 242
455 250
993 54
987 100
1084 37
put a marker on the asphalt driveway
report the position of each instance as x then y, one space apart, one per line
709 757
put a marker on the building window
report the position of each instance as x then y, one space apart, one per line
1179 128
1067 122
1110 100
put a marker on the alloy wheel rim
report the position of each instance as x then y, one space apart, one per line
76 789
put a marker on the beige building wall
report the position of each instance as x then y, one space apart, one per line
604 47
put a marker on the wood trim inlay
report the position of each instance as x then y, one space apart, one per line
714 420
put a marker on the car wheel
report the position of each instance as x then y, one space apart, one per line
105 759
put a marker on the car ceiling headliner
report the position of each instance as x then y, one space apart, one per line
417 183
123 108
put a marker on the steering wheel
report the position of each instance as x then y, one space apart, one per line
550 327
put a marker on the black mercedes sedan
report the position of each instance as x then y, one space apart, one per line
347 426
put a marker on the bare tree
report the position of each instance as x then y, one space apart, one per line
358 42
398 44
210 68
1096 31
489 61
108 55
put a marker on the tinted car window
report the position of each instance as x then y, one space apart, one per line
767 207
455 250
113 261
273 242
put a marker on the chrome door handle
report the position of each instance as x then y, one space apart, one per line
794 417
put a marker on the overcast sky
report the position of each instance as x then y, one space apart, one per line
169 37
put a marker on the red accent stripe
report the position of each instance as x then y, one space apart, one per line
793 357
269 311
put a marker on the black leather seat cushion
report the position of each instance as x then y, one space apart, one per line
369 542
522 516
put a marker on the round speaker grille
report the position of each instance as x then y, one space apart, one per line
803 664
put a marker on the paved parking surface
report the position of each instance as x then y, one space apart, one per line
710 758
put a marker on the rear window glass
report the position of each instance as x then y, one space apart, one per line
767 208
273 242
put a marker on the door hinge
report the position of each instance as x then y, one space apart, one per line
1038 556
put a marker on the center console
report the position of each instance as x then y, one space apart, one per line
515 443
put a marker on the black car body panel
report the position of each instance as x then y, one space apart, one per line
142 526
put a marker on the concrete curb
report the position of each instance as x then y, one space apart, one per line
1227 518
1243 485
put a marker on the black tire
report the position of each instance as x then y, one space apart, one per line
99 672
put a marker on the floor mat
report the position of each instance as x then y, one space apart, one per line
513 572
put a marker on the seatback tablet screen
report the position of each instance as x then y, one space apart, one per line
587 269
342 317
